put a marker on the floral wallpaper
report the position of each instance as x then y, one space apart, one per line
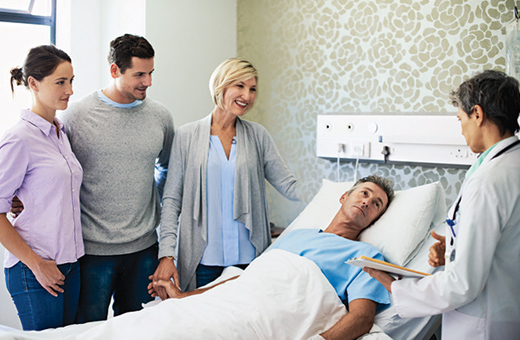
318 56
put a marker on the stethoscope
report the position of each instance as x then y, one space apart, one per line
451 222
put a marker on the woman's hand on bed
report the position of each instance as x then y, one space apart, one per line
384 278
437 251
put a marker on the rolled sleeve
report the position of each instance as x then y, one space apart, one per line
14 163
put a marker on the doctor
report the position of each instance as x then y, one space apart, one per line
478 291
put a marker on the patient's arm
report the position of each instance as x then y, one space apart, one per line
174 292
384 278
358 321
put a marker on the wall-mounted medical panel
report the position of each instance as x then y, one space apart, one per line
422 139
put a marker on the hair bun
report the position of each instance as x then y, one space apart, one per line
17 75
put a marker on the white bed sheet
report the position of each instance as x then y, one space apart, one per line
169 316
411 328
279 296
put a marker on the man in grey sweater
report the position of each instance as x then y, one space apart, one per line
121 138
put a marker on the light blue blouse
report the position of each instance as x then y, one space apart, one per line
228 240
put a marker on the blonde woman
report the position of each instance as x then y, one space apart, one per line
44 241
216 181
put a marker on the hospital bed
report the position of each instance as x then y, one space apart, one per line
282 295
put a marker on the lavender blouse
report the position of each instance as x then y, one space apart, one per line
42 171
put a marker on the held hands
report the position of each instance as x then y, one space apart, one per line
49 276
172 291
437 251
164 272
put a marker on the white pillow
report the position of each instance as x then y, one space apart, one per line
322 208
398 234
402 229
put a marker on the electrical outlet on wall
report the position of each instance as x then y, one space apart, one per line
424 139
360 149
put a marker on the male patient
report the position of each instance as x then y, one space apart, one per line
362 205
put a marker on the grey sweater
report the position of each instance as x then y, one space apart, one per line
118 149
257 159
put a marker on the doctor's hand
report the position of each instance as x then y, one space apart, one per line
165 271
384 278
437 251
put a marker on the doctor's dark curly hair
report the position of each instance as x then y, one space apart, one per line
496 93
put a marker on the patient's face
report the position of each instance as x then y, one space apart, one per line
364 205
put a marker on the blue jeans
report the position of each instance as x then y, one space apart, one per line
125 277
37 309
206 274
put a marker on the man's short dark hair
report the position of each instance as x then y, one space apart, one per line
381 182
496 93
123 48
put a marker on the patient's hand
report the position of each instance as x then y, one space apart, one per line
171 290
165 271
437 251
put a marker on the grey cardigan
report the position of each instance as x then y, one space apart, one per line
185 191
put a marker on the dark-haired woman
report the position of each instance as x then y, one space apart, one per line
43 242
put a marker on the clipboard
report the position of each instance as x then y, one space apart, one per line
363 261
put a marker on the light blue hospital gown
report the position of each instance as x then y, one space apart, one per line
330 252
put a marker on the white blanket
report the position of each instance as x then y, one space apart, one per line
279 296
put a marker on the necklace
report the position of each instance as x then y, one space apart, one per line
233 141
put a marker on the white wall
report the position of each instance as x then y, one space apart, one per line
85 29
190 39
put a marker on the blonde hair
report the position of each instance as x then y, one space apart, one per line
230 71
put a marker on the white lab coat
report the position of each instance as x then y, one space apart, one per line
479 291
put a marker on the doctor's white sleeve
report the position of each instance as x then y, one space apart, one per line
479 231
